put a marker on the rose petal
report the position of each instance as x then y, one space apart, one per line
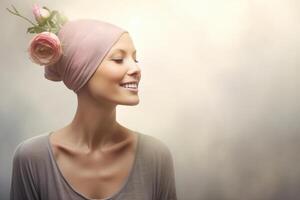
45 48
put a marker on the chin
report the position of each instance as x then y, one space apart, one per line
130 103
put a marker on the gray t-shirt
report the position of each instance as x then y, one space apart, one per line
36 176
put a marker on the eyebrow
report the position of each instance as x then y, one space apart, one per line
122 50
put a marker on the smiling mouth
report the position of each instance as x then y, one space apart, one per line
130 87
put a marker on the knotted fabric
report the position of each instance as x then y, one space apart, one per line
85 43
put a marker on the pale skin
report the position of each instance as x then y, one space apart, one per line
94 152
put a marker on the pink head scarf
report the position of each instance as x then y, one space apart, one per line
85 43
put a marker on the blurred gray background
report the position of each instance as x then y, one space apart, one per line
220 86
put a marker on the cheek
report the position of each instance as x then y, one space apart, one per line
114 74
107 78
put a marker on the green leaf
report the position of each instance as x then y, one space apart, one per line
46 8
55 30
30 30
53 13
64 19
39 29
42 23
52 24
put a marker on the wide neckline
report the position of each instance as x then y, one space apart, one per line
123 185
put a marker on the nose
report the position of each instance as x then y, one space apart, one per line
134 69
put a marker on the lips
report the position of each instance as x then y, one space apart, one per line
136 82
134 89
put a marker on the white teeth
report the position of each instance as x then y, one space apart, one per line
130 85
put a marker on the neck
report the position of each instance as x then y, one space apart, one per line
94 125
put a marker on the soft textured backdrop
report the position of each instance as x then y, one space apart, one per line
220 86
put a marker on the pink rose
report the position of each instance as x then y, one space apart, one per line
40 14
45 48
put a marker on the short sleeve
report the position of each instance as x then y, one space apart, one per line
22 180
167 186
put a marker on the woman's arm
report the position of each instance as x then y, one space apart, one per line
23 186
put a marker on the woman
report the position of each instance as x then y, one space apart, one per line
94 156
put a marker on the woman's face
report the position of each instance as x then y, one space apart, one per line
119 66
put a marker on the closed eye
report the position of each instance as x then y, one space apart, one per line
118 60
121 60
